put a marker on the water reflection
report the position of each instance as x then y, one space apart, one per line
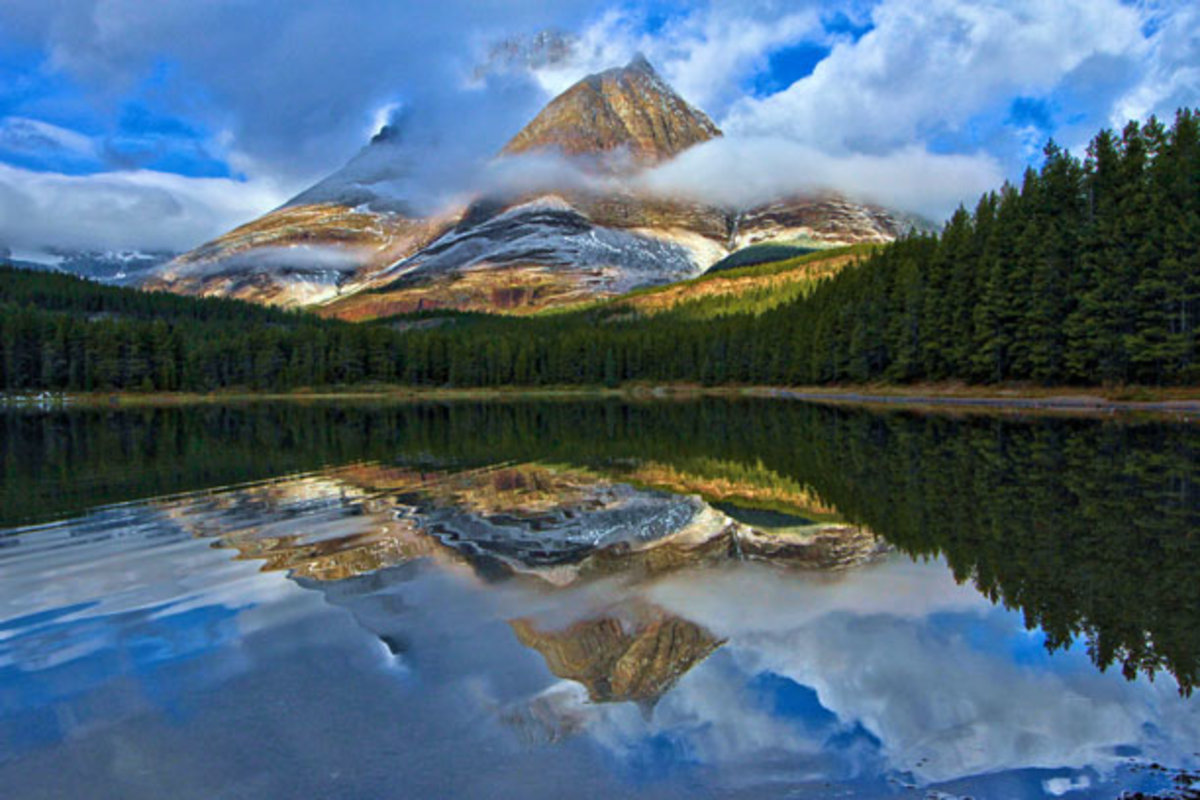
436 624
634 657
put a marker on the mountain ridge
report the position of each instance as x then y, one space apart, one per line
352 246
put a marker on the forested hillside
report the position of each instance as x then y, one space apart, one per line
63 332
1086 274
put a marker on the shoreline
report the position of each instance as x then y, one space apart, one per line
1183 403
1175 403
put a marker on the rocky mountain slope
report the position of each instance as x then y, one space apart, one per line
625 117
353 247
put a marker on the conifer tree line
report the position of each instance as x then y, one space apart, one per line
1088 273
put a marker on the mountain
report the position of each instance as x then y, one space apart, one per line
628 113
355 246
116 267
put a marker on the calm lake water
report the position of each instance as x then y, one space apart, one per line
711 599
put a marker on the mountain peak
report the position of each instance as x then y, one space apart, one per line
625 110
640 62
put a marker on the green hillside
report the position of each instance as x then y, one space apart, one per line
755 254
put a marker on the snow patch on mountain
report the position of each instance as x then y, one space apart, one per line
549 231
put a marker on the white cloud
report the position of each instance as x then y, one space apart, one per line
139 210
704 54
726 48
931 65
293 81
290 86
37 138
1170 78
746 171
322 263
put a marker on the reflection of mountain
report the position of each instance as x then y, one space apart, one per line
563 525
892 672
383 544
556 524
1086 525
618 660
346 531
734 484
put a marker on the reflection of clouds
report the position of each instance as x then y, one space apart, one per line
103 617
927 667
133 583
944 709
122 560
764 600
715 718
845 677
710 709
907 673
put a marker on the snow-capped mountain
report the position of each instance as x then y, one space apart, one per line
117 267
355 246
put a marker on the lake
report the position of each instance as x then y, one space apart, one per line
596 599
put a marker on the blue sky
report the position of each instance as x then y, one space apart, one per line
131 124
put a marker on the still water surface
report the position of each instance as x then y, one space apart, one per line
595 600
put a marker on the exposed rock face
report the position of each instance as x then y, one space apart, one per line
538 254
626 113
352 246
823 220
298 255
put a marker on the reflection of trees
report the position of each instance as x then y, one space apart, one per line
1089 527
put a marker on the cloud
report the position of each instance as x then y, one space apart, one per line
706 51
1171 76
930 66
533 173
31 137
431 154
285 89
748 171
139 210
320 262
292 81
919 103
